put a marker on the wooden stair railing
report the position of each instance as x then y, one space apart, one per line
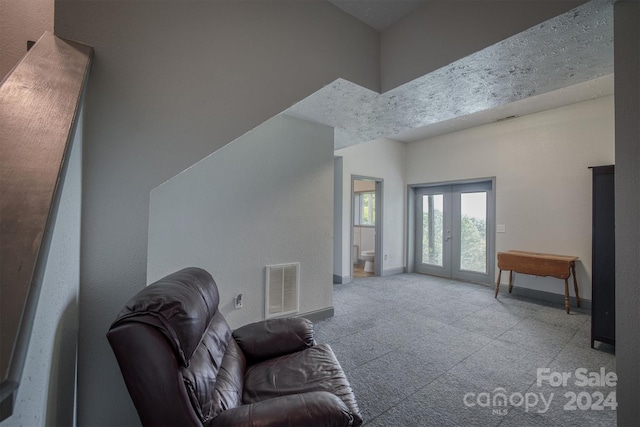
39 103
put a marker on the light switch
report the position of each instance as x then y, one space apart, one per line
501 228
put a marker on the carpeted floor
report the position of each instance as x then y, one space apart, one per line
425 351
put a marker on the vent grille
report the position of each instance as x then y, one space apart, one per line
282 289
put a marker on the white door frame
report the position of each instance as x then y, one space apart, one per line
379 258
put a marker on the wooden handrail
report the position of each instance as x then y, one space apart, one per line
39 104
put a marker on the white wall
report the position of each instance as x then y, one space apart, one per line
266 198
21 21
442 32
384 159
543 184
170 83
46 395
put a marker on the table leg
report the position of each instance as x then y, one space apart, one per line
510 280
498 283
575 283
566 295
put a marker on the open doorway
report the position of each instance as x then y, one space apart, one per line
366 227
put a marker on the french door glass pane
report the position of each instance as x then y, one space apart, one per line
473 233
432 229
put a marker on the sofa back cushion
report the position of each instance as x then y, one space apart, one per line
215 373
180 305
230 381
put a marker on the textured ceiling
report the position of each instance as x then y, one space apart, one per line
567 51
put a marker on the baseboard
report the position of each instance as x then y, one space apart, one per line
388 272
393 271
548 297
318 315
341 279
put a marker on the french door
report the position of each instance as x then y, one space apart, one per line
454 231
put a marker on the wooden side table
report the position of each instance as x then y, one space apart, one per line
537 264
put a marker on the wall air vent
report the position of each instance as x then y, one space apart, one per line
282 289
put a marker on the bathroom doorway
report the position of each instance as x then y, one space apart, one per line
366 227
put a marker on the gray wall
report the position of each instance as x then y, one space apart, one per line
264 199
627 87
171 82
21 21
46 395
442 32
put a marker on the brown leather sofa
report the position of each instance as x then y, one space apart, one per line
183 365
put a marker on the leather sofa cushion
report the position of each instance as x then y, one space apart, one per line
313 409
200 376
314 369
274 337
229 383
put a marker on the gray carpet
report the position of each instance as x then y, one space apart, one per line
425 351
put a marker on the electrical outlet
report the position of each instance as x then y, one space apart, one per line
238 301
501 228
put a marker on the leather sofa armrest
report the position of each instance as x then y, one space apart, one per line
314 409
274 337
144 375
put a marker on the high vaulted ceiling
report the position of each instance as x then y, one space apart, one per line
564 60
379 14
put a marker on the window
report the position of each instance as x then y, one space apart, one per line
364 210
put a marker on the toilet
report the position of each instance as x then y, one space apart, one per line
368 258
